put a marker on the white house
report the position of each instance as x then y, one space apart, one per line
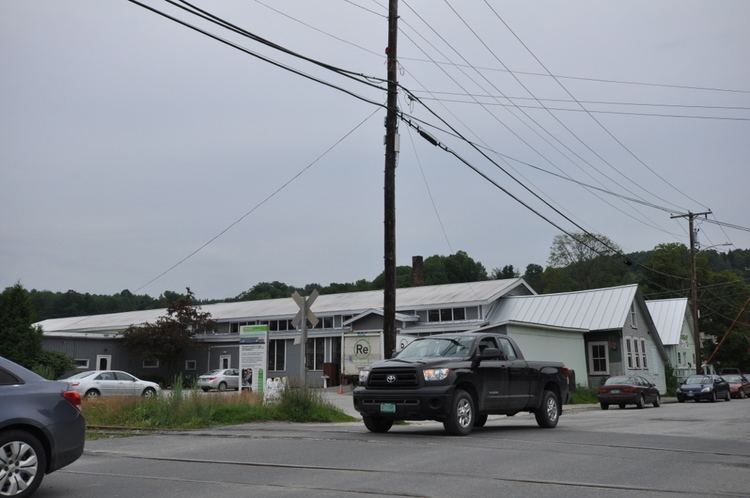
675 326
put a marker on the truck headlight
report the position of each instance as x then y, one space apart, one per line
363 374
435 374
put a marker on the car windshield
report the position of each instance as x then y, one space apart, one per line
698 379
438 347
618 380
81 375
733 378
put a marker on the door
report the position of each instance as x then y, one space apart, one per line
520 377
103 362
494 378
128 385
225 361
107 384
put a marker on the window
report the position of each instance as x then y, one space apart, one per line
433 315
598 358
190 364
81 362
459 313
124 376
105 376
277 354
314 353
327 322
629 351
643 353
8 379
507 348
150 363
636 353
633 319
446 315
234 327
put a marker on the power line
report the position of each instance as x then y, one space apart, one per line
728 225
523 122
596 111
601 125
429 191
262 202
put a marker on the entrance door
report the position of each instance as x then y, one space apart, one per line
103 362
225 361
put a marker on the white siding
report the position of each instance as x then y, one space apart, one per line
552 345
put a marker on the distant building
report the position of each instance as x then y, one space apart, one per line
675 325
95 341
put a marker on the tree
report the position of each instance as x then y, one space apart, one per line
20 341
171 334
506 272
588 258
459 267
267 290
533 277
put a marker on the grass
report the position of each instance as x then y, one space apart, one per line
192 410
583 395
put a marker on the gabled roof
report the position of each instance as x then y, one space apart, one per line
597 309
401 317
669 315
351 303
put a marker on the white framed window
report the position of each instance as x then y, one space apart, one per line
315 353
643 354
150 363
633 317
81 362
277 354
629 351
190 364
598 357
636 353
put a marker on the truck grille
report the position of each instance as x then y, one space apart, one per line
400 378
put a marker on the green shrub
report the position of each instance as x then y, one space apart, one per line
671 379
53 364
583 395
45 371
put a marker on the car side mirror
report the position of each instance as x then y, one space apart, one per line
492 354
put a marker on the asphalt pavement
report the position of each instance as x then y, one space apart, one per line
687 449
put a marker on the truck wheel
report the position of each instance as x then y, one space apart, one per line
377 424
548 412
480 420
460 420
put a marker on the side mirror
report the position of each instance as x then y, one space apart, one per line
492 354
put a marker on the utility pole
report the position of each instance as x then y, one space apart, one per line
694 285
391 151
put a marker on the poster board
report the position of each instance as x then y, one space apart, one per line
253 357
360 350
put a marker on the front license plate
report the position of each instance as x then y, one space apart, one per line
689 394
615 391
387 407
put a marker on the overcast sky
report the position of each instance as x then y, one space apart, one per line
128 141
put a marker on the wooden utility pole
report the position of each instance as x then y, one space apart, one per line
391 151
694 286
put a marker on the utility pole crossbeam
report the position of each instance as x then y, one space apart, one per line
391 151
694 285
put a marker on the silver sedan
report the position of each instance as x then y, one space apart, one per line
222 379
97 383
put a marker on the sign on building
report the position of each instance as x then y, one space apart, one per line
253 357
360 350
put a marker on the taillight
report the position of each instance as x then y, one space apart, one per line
603 390
211 378
73 397
565 371
629 389
75 384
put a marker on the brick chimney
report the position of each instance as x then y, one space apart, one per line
417 271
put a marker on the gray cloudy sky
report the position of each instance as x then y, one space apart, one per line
127 141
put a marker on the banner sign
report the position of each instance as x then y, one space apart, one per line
253 357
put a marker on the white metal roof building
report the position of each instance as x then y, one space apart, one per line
675 326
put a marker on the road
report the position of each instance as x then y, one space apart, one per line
686 449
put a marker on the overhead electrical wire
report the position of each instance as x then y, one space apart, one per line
524 141
261 202
557 119
598 122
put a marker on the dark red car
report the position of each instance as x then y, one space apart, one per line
739 387
628 390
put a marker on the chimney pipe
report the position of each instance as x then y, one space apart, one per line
417 271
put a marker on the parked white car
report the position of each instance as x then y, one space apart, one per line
95 383
221 379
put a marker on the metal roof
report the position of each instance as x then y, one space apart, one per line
351 303
669 316
597 309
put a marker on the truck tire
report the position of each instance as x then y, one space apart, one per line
460 420
377 424
480 420
548 412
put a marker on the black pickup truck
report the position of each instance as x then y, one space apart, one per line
459 379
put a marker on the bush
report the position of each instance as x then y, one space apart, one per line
190 409
52 364
671 379
583 395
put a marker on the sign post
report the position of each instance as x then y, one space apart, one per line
253 358
300 320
